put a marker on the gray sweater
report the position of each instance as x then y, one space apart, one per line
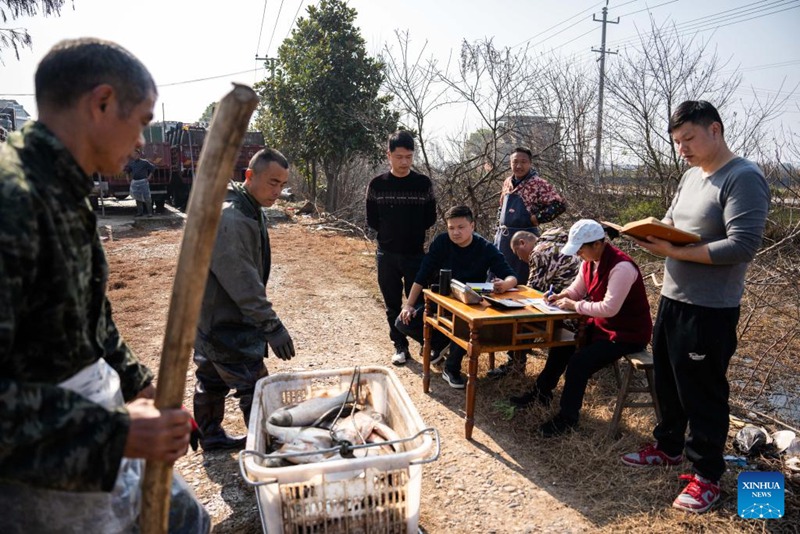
729 210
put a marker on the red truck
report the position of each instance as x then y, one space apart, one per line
174 148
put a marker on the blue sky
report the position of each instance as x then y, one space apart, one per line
195 49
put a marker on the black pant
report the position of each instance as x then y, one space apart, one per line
414 330
396 273
580 366
692 346
215 380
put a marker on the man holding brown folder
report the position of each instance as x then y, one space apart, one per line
723 198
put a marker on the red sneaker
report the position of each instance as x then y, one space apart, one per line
698 496
650 456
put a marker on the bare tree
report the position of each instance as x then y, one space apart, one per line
15 38
648 82
417 87
497 86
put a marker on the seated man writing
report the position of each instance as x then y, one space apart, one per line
468 256
609 289
549 270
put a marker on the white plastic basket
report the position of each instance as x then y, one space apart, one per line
355 495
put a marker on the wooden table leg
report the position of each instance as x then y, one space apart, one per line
472 379
426 348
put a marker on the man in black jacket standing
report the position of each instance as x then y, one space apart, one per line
400 207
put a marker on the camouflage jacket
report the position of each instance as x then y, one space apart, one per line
236 315
548 266
55 319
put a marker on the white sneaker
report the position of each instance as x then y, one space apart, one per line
400 357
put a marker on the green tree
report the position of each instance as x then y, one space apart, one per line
12 9
323 105
206 116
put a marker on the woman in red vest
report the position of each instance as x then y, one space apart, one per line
610 291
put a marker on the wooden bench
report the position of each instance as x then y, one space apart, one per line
642 361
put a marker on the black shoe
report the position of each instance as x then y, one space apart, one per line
534 396
222 441
557 426
438 357
515 364
502 370
456 380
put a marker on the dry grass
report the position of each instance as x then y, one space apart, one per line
584 465
582 470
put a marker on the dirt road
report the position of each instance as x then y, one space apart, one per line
506 480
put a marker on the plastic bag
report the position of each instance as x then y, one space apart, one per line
752 440
28 509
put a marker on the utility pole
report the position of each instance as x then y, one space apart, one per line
602 51
270 63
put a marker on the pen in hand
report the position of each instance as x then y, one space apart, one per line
549 293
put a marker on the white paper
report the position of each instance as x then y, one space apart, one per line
543 306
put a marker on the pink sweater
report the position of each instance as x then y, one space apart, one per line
620 280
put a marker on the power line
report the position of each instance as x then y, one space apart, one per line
591 8
704 24
562 45
681 31
208 78
274 28
294 19
765 66
621 16
260 31
648 8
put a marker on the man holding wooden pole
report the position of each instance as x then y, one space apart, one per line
76 408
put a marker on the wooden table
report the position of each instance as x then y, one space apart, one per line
479 328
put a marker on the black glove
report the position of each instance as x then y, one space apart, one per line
281 343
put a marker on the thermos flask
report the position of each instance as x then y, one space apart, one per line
445 275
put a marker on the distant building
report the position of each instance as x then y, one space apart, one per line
540 134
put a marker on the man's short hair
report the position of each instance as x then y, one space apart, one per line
264 157
459 211
523 150
74 67
697 112
401 139
522 235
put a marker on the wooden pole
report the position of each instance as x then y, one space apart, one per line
217 159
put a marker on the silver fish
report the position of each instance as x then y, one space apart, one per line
308 411
388 434
285 434
356 427
376 439
307 443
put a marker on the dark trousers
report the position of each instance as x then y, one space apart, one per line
692 346
396 273
414 330
580 366
215 380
